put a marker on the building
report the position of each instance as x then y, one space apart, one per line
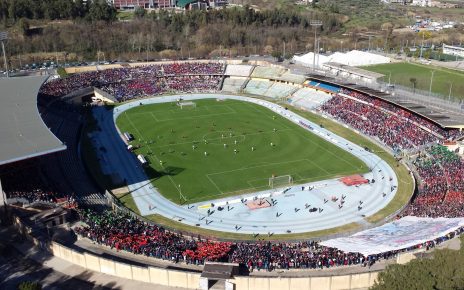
200 4
131 4
453 50
154 4
423 3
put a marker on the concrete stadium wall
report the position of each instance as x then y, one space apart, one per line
153 275
190 280
353 281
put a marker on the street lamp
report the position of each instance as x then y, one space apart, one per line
431 80
449 95
3 38
315 24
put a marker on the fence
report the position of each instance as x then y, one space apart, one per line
405 93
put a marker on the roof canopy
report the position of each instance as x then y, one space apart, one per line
23 134
444 118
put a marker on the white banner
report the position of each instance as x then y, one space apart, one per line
403 233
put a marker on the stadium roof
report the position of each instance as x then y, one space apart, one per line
23 134
354 70
444 118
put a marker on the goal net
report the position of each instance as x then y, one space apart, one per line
280 181
186 105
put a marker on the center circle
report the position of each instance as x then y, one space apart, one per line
224 137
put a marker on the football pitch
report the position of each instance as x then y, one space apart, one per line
229 147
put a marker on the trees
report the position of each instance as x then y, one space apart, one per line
56 9
101 10
444 271
139 12
234 31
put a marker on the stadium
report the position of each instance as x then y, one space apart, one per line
226 172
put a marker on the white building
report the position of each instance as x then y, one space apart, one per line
351 58
453 50
423 3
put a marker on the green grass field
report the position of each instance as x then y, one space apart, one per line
443 78
177 138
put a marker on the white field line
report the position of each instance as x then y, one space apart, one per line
236 136
257 166
170 178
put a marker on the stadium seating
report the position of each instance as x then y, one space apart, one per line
256 87
292 78
23 181
239 70
265 72
309 98
133 82
323 87
441 193
279 90
233 84
395 132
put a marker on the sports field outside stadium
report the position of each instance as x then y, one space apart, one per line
443 79
221 148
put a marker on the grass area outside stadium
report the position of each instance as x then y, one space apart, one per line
227 148
443 79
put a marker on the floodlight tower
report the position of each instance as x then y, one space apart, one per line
315 24
3 38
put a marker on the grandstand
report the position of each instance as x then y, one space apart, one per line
309 98
257 87
292 78
443 117
268 72
321 86
238 70
233 84
279 90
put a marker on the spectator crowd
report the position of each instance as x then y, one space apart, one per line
140 81
22 181
391 129
441 189
123 232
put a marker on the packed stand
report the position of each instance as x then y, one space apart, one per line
192 84
132 89
124 232
132 82
22 180
402 113
193 68
442 191
395 132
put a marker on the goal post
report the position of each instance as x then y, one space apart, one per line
280 181
187 104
